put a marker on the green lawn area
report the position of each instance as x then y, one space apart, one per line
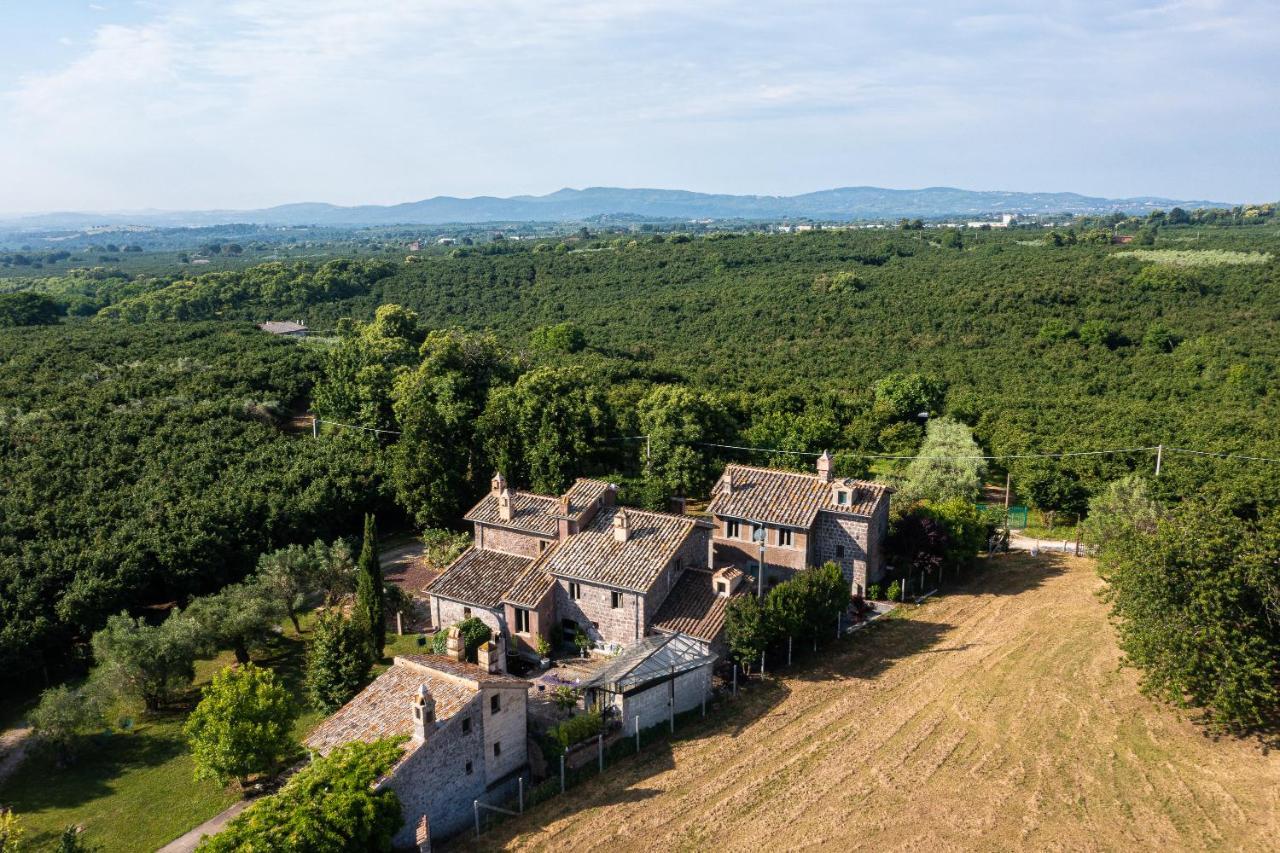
134 790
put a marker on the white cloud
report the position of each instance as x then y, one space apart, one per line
249 102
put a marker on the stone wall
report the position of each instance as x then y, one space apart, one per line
597 616
508 728
692 554
541 622
445 613
433 781
843 540
491 538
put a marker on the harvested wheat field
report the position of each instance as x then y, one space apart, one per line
994 717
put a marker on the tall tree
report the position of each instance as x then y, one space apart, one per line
436 463
152 663
370 614
947 467
1195 592
241 616
337 661
290 574
542 429
242 725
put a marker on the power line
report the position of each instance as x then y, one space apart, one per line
355 426
1221 455
995 456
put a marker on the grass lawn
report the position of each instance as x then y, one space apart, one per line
134 790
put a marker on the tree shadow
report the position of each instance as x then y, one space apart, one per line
39 784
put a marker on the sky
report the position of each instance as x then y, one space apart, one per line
239 104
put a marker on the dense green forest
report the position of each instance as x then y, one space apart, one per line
144 463
146 453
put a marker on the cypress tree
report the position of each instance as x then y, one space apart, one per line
369 609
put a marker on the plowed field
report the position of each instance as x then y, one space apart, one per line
994 717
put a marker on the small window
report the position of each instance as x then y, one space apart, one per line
575 591
722 587
466 725
495 703
542 545
469 768
758 530
522 621
595 625
497 748
842 497
839 550
784 537
731 529
466 613
615 600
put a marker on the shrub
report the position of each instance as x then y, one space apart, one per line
242 725
565 697
895 591
577 729
337 661
474 635
63 717
543 646
329 805
873 592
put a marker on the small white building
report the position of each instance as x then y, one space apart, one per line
658 677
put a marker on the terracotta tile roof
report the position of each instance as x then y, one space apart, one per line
468 673
479 577
595 556
538 513
529 512
583 492
693 607
532 585
788 498
385 707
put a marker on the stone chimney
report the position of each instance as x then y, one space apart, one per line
621 526
726 484
824 467
504 502
422 835
455 646
565 526
498 484
424 714
489 657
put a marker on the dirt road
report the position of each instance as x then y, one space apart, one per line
996 717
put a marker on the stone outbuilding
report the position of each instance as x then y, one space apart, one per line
466 729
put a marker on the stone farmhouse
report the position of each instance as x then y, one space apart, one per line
556 566
800 520
466 729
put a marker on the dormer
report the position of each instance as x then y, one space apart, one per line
424 713
725 582
845 495
621 526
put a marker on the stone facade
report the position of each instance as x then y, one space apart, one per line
541 623
493 538
855 545
434 781
445 612
595 613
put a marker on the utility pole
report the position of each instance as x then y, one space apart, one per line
1159 457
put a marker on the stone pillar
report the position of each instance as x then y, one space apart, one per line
422 835
455 648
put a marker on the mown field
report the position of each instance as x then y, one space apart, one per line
995 717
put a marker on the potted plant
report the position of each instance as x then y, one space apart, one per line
583 642
543 647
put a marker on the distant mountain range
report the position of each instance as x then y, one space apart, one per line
569 205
